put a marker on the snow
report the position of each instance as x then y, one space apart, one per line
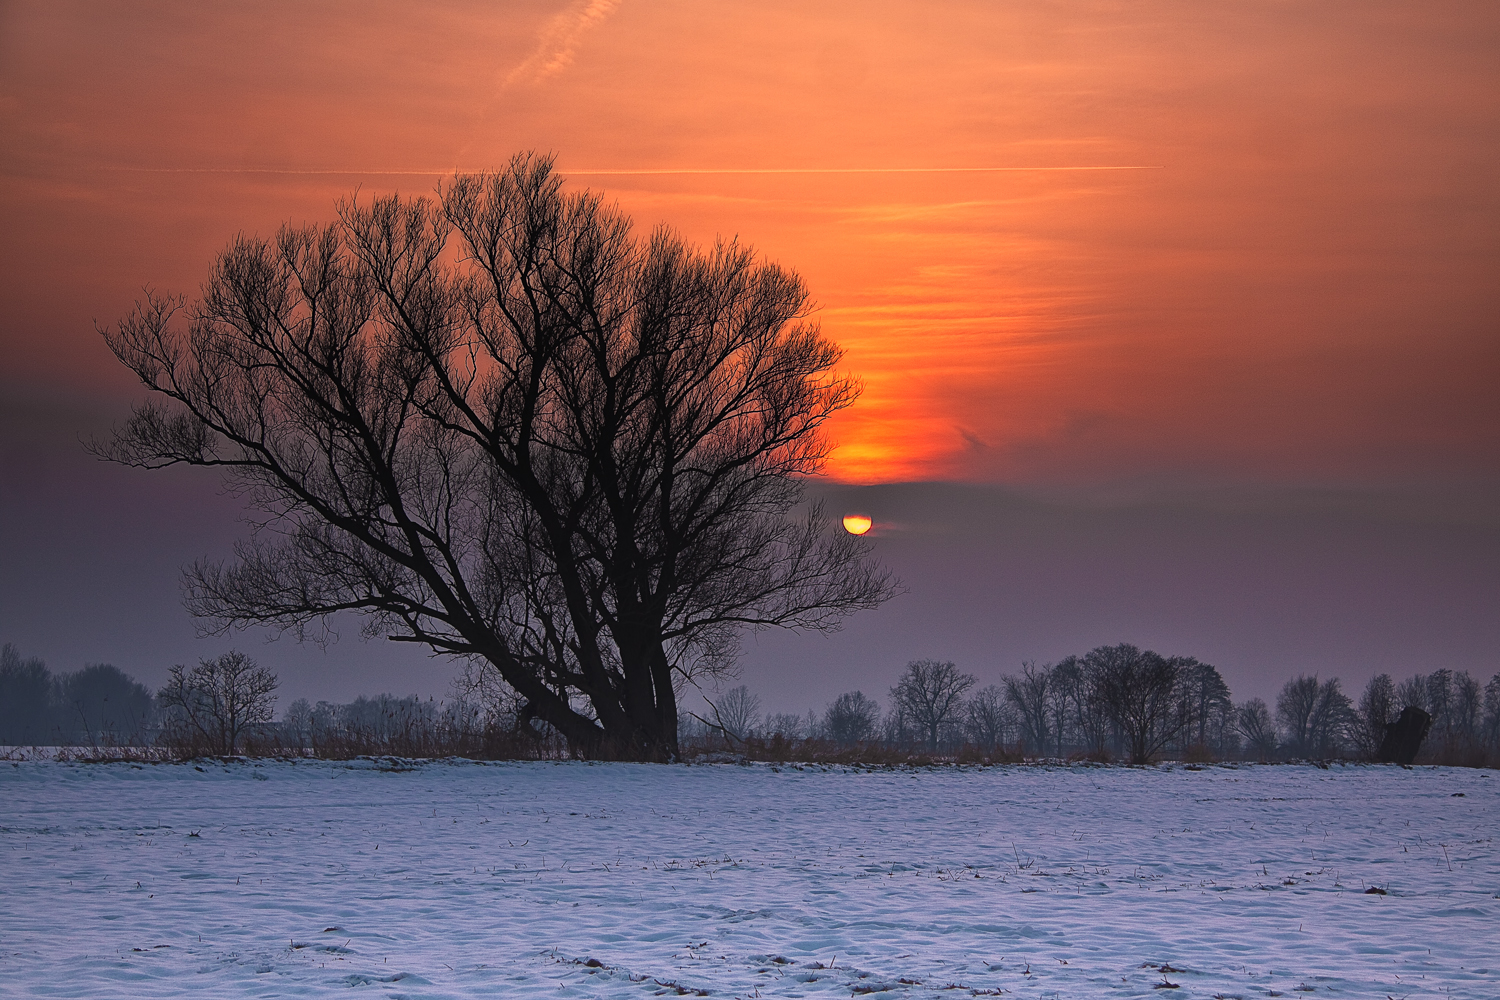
458 879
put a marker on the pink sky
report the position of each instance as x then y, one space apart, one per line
1294 284
1302 288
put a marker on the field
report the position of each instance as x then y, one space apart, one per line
457 879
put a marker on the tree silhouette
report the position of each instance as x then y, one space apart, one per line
26 716
216 703
103 704
1253 722
1030 693
500 425
1377 709
930 696
1138 690
1315 718
852 717
988 717
735 713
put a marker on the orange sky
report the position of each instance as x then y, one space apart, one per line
1304 286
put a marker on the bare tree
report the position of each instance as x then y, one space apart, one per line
217 702
988 717
735 713
1377 709
931 694
1067 694
1030 694
1412 693
1332 720
502 426
1138 691
1466 709
787 725
1253 721
1314 717
851 718
1203 705
1295 706
1440 703
1491 728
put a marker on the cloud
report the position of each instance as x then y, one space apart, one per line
557 41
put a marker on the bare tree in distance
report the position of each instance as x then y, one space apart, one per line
500 425
1412 693
1253 721
787 725
217 702
1333 720
1314 716
851 718
1491 725
930 694
1030 694
735 713
1377 709
1467 708
1295 706
1204 705
1440 704
1138 688
989 718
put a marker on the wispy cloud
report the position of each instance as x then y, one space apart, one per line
559 40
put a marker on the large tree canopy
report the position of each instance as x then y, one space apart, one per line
500 424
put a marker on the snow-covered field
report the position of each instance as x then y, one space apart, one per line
560 880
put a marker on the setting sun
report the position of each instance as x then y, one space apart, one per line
857 524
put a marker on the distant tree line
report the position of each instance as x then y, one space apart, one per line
1121 703
225 705
1114 703
95 705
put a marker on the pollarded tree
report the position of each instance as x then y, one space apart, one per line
500 425
929 696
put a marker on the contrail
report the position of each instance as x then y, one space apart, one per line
558 41
850 170
631 172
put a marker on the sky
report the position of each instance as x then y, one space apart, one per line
1178 324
